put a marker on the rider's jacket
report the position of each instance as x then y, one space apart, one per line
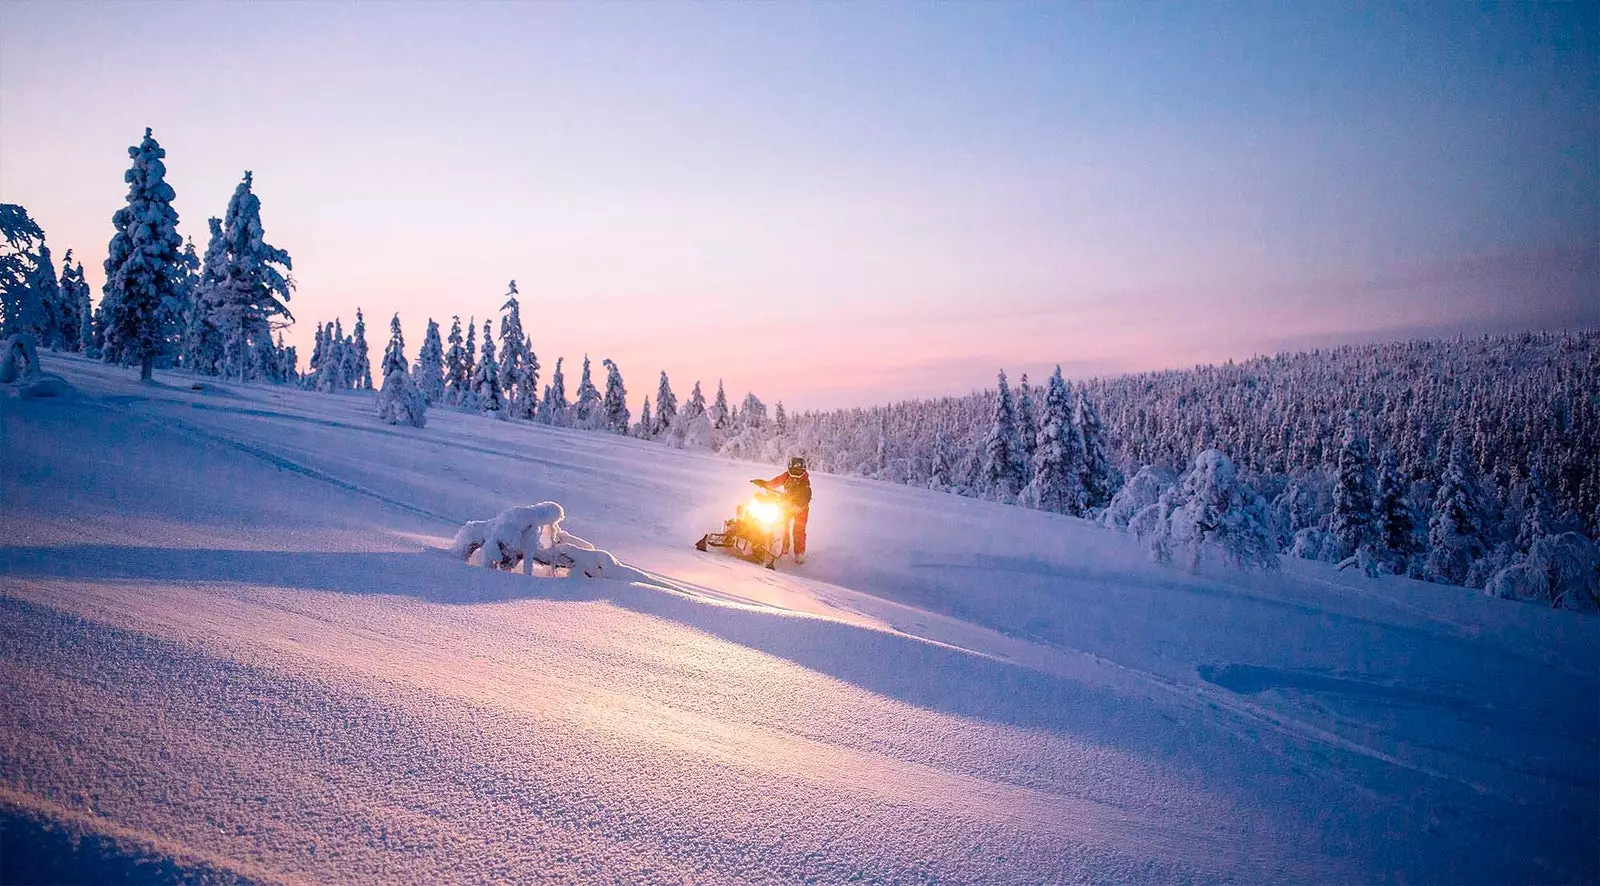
796 489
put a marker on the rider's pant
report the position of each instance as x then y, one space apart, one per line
796 541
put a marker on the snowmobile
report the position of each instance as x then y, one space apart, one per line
757 529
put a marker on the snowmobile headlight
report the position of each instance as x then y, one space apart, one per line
767 513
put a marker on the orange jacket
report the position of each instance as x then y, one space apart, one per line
797 489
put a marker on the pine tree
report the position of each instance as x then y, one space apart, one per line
1100 479
1027 425
720 416
429 374
455 365
400 400
1394 525
615 405
646 426
253 290
73 292
586 412
1534 523
469 392
780 419
1455 532
22 239
1057 484
203 340
1352 516
666 407
519 378
553 411
1002 472
362 376
180 311
142 269
45 298
486 379
89 341
696 406
753 414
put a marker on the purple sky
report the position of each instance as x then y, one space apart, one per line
839 204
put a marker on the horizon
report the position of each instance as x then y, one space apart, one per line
920 199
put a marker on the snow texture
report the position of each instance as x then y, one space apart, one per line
233 641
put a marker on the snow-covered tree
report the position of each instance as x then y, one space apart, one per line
1352 517
88 342
753 414
23 239
251 297
1455 532
519 373
362 376
1394 525
719 408
179 311
455 365
1027 425
1101 480
1057 484
587 413
1211 512
486 378
400 400
429 374
646 427
666 407
696 406
203 340
45 298
1534 521
143 265
615 405
74 293
780 419
1002 473
553 410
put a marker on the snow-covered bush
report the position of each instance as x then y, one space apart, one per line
1210 513
1136 495
1561 570
20 370
1316 544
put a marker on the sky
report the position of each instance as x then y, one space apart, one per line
842 204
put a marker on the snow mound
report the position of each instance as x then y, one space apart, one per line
529 534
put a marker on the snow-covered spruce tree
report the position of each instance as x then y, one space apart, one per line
1394 525
1057 484
455 365
554 408
1002 472
468 397
143 264
1533 523
587 413
1101 479
1455 531
780 420
1352 517
519 375
74 292
429 374
1210 513
486 379
45 299
719 409
1027 426
696 406
253 292
361 377
753 414
23 238
666 407
646 428
615 405
89 342
400 400
179 311
203 340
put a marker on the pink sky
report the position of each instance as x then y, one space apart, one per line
836 206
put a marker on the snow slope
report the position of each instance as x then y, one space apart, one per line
232 645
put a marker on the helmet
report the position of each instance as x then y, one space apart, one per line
797 466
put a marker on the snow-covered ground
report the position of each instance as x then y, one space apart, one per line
231 643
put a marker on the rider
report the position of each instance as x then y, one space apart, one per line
795 484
